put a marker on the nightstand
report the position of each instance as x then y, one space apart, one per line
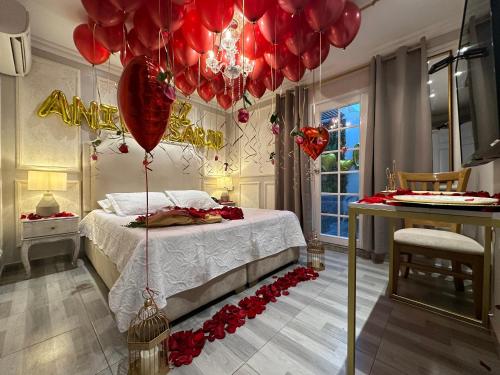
228 203
48 230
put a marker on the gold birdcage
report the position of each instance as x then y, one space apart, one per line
315 253
148 336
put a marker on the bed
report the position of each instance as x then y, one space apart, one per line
190 266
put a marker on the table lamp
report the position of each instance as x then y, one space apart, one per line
225 183
48 182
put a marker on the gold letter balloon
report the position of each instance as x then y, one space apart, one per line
106 117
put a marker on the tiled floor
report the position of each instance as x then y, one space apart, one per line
60 324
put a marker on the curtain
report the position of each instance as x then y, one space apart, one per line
292 177
398 128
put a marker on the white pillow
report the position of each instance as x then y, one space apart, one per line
191 198
106 205
126 204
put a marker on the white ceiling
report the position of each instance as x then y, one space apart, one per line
386 25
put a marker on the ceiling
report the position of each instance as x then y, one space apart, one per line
386 25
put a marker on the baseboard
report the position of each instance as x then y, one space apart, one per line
362 253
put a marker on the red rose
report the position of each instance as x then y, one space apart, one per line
123 148
243 115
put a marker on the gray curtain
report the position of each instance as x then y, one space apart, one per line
292 178
398 128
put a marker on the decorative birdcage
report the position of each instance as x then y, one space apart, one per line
148 336
315 253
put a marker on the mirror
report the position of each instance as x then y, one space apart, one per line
440 96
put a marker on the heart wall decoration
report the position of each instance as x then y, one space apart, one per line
315 141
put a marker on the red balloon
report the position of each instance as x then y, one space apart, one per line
125 56
145 103
292 6
218 84
135 44
205 70
198 36
127 5
103 12
302 36
275 24
110 37
254 9
160 58
254 43
147 31
93 51
256 88
216 14
205 91
277 56
273 79
224 101
166 14
192 76
321 14
343 32
260 68
295 70
314 57
185 54
177 67
182 84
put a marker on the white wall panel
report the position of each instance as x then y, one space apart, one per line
46 143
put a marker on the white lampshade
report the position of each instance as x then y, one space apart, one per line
47 181
225 182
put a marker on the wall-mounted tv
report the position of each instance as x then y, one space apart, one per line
478 82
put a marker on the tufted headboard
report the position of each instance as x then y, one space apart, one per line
175 167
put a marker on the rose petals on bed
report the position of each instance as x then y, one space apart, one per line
169 216
184 346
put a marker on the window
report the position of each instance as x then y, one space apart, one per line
339 168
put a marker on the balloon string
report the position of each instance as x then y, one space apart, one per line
146 164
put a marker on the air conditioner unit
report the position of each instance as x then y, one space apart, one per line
15 39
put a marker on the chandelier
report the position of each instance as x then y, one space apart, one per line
228 60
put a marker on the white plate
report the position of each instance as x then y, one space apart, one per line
439 192
445 199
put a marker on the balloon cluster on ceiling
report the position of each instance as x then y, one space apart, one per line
279 38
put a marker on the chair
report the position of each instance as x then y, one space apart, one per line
448 244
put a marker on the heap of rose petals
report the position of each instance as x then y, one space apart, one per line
186 345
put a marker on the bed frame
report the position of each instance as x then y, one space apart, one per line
124 173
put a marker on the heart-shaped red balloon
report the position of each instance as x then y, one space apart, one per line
110 37
206 92
315 141
256 88
295 70
278 56
343 32
93 51
148 32
224 101
135 44
182 84
218 84
273 79
145 102
316 54
103 12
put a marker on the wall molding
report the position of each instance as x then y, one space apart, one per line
269 195
243 199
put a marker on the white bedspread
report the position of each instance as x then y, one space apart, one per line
184 257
